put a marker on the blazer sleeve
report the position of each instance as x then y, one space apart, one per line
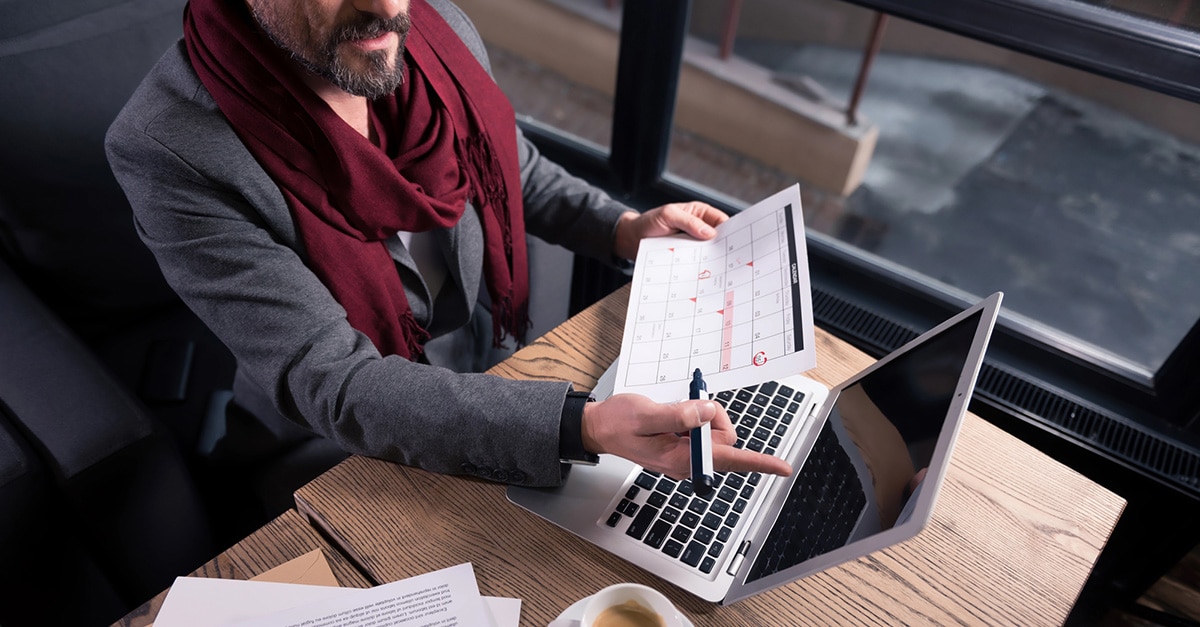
198 200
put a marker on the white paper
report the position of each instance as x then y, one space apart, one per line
738 307
447 597
204 601
505 612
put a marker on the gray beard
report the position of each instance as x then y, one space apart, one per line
376 82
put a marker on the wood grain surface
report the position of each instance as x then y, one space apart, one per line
1013 537
285 538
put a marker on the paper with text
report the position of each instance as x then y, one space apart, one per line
446 597
738 307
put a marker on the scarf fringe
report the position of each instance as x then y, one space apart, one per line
508 320
487 182
488 188
414 335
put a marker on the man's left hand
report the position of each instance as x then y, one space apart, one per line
694 218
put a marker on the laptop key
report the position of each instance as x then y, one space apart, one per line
613 519
672 548
693 554
707 565
715 549
646 480
641 522
658 533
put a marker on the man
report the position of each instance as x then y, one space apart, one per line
338 189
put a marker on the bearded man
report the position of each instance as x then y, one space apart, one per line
340 191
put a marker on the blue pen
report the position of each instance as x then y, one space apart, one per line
702 463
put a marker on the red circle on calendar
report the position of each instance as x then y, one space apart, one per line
760 358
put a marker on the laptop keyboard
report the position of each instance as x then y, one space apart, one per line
667 515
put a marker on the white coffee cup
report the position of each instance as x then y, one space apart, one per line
645 598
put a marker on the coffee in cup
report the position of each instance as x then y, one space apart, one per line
630 605
628 614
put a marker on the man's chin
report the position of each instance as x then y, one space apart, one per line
371 75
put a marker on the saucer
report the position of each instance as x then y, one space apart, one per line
571 616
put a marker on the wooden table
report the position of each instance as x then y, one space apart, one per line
1012 541
287 537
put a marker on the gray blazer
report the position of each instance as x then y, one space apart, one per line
226 242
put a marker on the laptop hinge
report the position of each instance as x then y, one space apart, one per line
736 562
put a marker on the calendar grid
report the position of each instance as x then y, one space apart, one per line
721 305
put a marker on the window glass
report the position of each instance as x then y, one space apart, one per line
973 166
556 61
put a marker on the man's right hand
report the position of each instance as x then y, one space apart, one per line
656 435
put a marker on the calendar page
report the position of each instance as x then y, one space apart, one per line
738 307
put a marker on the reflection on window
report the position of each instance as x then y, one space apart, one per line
1074 194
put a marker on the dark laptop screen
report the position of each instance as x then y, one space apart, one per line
868 463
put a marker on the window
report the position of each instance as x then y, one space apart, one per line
985 168
963 97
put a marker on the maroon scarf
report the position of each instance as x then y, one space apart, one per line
447 136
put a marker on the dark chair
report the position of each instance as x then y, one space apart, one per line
113 395
107 490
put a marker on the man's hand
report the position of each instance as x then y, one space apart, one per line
694 218
655 435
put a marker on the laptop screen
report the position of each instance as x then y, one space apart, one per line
868 464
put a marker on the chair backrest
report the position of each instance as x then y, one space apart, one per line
67 68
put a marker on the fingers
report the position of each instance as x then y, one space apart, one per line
694 218
730 459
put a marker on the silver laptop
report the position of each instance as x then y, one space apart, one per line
868 459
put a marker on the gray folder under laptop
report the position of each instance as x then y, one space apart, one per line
868 459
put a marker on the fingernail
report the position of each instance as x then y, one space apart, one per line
707 411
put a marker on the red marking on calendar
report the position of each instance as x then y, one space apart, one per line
760 358
705 275
727 332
